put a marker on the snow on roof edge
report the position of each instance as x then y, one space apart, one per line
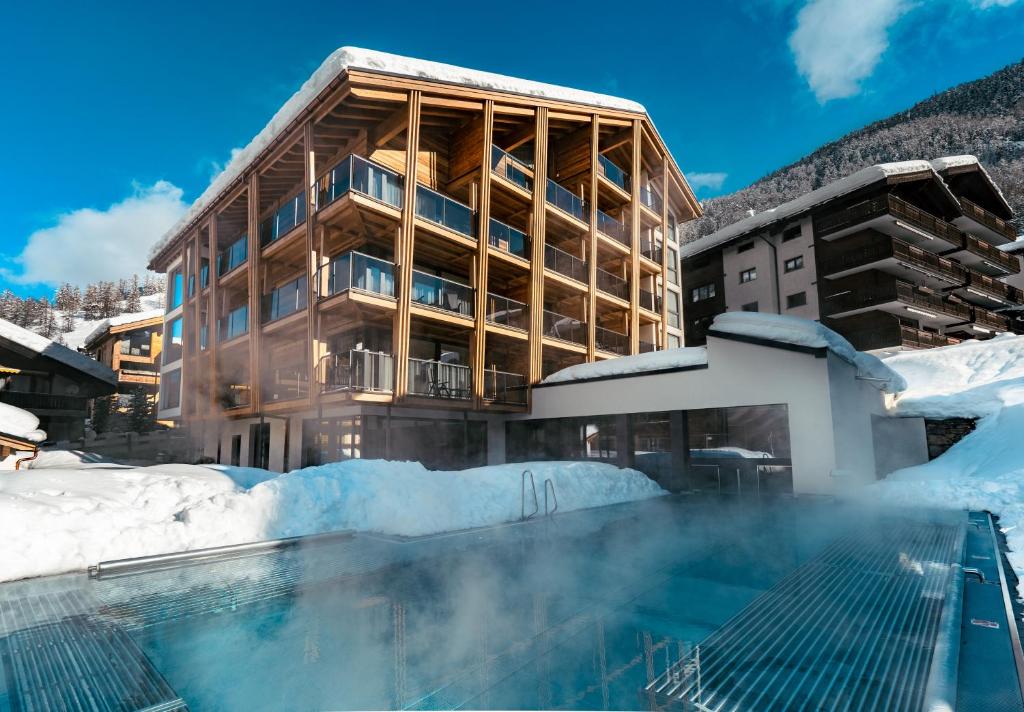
946 162
635 365
51 349
345 58
121 320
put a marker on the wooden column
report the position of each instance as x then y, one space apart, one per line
540 181
479 352
312 288
664 253
634 258
212 332
592 241
253 269
404 250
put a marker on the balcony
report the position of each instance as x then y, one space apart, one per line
285 383
915 225
650 200
444 211
565 264
651 249
986 258
612 172
439 293
234 255
650 301
138 377
505 388
284 220
360 176
888 333
647 347
611 341
1001 228
567 201
204 275
612 284
359 272
989 320
358 371
507 312
988 290
235 324
610 227
565 328
897 297
283 301
896 257
512 169
235 395
42 401
507 239
436 379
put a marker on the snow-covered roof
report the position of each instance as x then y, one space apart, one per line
345 58
686 357
804 332
106 324
947 162
862 178
51 349
20 424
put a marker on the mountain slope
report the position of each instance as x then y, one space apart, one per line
984 117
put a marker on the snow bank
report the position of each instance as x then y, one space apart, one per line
41 345
54 520
20 423
804 332
640 363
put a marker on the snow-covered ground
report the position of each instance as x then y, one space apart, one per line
985 470
152 305
63 519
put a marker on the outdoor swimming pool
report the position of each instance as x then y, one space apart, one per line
773 606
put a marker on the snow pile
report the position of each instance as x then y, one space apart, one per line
20 423
104 325
41 345
804 332
54 520
345 58
640 363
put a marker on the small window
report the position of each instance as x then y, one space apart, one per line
796 300
175 288
794 263
236 450
745 246
791 234
703 292
748 275
170 389
750 307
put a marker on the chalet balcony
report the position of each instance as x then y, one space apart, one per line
610 227
612 284
652 249
233 256
285 219
612 172
444 211
650 200
567 201
565 264
285 383
650 301
138 377
988 291
507 312
507 239
439 293
512 169
1001 230
883 331
647 347
436 379
283 301
893 216
611 341
358 272
565 328
987 258
505 388
989 320
235 324
896 297
357 371
361 176
43 401
901 259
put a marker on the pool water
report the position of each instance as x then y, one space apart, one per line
586 610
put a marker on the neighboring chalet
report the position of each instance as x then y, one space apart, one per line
407 247
897 255
51 381
130 344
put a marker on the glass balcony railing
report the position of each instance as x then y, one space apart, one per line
436 379
505 387
233 256
285 383
559 326
566 201
612 172
235 395
203 329
507 239
442 210
284 220
565 264
650 301
440 293
286 299
511 168
647 347
607 225
612 284
235 324
507 312
361 176
357 370
651 249
611 341
354 270
650 199
204 275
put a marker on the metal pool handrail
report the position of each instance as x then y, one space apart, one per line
536 503
554 497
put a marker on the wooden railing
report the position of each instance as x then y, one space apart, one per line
889 205
990 220
893 291
992 254
899 250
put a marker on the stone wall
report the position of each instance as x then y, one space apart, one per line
944 434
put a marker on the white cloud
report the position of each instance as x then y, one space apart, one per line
986 4
706 180
838 43
87 245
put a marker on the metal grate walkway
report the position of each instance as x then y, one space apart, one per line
853 629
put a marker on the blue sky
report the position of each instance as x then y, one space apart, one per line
117 116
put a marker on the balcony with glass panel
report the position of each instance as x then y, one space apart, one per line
612 228
233 256
440 380
612 285
564 328
614 179
439 210
505 388
565 264
507 312
234 324
357 371
284 220
436 294
359 277
284 383
567 204
283 301
611 341
651 201
372 184
508 240
512 172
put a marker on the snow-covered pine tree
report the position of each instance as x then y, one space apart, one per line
10 305
91 302
133 300
110 300
47 319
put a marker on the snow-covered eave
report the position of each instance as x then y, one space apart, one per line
17 441
967 162
119 324
21 338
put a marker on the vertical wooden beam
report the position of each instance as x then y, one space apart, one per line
404 250
664 253
253 264
484 215
312 289
634 258
540 182
212 332
592 241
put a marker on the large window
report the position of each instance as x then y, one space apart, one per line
175 289
673 309
170 389
174 341
673 266
137 343
740 449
